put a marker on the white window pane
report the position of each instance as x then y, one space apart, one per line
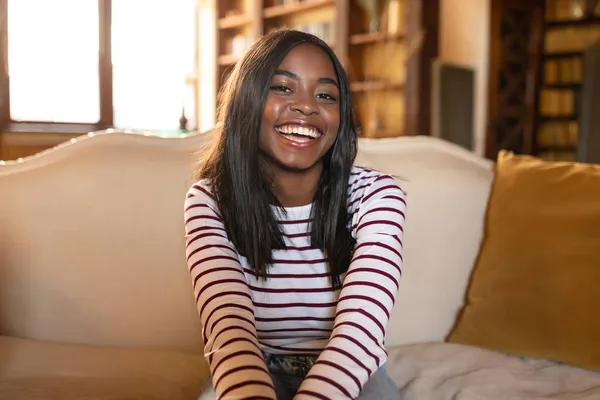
53 60
152 54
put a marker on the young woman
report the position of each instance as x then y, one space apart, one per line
294 252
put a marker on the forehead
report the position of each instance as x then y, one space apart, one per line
307 60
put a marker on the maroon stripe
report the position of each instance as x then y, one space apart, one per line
204 228
210 246
202 216
296 235
217 269
315 261
373 285
300 248
296 221
397 239
292 276
304 318
366 314
374 271
362 329
390 177
379 244
217 282
331 382
390 209
293 330
203 190
244 383
344 370
357 188
351 204
233 316
291 349
350 356
227 329
380 222
311 393
359 344
236 354
378 190
219 307
389 196
204 235
226 305
292 290
238 369
289 305
383 177
366 298
212 258
379 258
217 295
197 205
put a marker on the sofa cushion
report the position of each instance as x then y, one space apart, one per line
33 370
534 290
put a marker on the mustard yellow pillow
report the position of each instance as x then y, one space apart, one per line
535 288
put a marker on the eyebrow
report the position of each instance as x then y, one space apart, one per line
292 75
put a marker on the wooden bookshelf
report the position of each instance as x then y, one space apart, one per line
373 54
568 31
293 8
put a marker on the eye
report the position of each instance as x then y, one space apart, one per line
281 88
326 96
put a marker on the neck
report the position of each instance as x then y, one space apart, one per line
294 189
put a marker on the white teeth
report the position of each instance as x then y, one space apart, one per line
298 130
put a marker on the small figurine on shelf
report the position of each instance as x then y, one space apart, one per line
183 121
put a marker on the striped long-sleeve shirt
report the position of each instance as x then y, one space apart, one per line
296 311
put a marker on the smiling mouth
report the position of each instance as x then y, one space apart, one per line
299 133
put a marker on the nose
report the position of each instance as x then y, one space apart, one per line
305 104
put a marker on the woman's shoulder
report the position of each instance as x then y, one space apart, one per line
202 191
368 181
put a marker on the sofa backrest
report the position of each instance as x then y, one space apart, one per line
92 245
448 188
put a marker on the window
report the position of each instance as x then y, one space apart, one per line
91 64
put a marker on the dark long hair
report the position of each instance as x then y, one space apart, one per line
235 169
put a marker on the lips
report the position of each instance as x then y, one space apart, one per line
300 133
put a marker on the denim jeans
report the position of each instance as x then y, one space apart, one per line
288 372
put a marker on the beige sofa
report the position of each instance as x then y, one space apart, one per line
96 302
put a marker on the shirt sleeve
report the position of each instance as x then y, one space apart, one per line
356 348
224 303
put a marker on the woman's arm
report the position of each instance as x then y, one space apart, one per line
224 303
356 347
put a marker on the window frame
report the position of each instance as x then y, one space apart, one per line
105 82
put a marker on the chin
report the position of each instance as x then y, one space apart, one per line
298 165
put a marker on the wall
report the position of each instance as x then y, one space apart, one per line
464 40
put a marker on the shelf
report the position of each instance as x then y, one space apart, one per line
280 11
559 118
227 59
570 23
235 21
562 86
559 148
373 37
368 86
563 54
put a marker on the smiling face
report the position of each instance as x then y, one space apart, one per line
301 116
